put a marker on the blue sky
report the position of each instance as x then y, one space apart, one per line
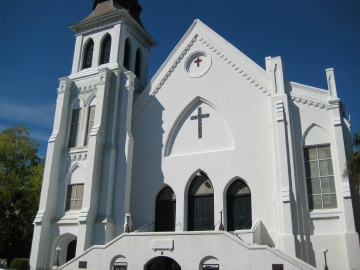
36 46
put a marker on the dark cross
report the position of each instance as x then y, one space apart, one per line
197 62
199 117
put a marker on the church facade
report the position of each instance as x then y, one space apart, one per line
216 163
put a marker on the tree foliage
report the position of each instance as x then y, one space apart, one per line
353 162
21 171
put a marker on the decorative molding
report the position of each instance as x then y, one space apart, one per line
309 102
309 88
280 111
138 36
236 67
53 137
285 194
345 188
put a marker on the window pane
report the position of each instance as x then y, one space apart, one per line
313 186
330 201
78 204
326 167
327 184
324 152
79 192
312 169
310 154
316 202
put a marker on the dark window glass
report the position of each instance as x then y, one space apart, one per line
105 50
88 54
74 128
126 63
239 207
165 210
138 63
201 204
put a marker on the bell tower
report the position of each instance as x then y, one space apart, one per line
87 177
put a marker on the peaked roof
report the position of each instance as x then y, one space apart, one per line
235 59
101 7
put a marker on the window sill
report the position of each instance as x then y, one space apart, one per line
326 213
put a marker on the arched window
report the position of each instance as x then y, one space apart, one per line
165 210
238 206
75 125
201 204
127 52
88 54
138 63
105 50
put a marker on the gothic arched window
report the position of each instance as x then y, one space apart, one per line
105 50
88 54
238 206
127 52
201 204
165 210
138 63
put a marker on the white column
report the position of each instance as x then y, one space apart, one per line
40 244
94 163
342 183
283 144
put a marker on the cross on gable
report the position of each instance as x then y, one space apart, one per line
197 62
199 117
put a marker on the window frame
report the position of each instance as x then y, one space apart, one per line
71 202
89 124
74 124
309 178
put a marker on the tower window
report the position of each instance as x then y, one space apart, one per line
90 123
138 63
88 54
74 128
74 197
320 177
126 63
105 50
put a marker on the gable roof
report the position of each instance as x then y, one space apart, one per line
237 61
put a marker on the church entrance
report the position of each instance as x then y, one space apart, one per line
162 263
238 207
201 204
165 210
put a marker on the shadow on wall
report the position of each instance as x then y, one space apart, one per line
147 177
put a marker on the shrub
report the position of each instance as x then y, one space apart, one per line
20 264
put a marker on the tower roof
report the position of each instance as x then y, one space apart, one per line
101 7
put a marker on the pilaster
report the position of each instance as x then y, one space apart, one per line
283 146
42 221
94 162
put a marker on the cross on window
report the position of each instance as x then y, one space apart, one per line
199 117
197 62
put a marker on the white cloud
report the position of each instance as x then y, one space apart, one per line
40 115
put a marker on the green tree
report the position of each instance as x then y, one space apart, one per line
21 171
353 162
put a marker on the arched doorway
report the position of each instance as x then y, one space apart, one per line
71 250
238 206
165 210
201 204
162 263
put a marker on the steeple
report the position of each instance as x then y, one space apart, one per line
131 6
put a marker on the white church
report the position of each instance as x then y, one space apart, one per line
216 163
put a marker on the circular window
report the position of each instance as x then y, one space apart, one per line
197 64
